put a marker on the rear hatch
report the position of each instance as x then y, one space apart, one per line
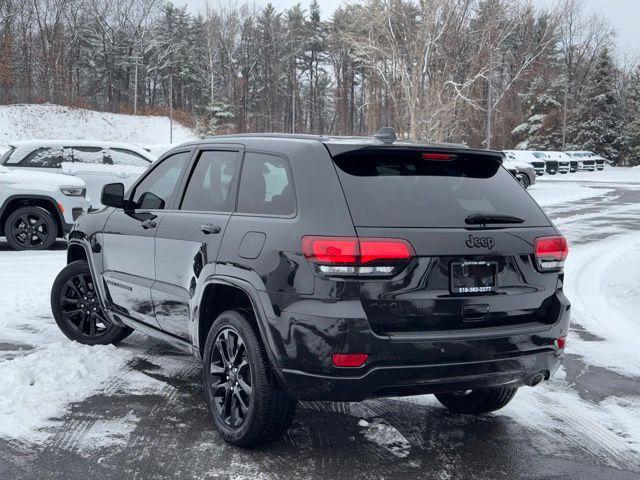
472 229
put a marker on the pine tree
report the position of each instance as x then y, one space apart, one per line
542 128
631 128
598 120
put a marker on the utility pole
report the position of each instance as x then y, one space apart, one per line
489 101
171 107
564 114
135 90
293 121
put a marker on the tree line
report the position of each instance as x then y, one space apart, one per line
487 73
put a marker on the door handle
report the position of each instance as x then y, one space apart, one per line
149 224
207 228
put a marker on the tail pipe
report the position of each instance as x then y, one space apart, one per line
537 378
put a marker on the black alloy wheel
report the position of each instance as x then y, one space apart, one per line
76 307
246 402
231 385
81 308
31 228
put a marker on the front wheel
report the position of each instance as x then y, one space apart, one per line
523 180
77 310
477 402
246 403
31 228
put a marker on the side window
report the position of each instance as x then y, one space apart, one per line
210 183
46 157
158 189
266 186
93 155
121 156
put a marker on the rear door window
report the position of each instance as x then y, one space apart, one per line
395 187
90 155
266 185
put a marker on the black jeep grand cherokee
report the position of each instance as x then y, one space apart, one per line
315 268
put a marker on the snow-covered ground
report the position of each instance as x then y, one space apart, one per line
46 122
588 413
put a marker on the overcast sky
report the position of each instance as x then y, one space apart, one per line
624 15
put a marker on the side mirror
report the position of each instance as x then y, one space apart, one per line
113 195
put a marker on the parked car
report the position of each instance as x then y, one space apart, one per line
586 160
409 269
527 157
37 207
522 171
564 161
550 165
97 163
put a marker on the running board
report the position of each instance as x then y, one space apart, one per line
154 332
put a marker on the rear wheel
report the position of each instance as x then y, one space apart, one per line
31 228
244 399
77 310
477 402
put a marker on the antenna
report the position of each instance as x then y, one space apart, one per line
386 135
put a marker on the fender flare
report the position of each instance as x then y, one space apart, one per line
85 244
258 307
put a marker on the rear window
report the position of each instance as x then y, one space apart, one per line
388 187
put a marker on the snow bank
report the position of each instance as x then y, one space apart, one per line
608 175
549 194
41 385
28 122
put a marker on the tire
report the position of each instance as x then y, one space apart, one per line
523 179
246 403
30 228
479 401
73 291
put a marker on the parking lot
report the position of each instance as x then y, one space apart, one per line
137 410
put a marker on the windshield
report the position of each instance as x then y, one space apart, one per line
400 188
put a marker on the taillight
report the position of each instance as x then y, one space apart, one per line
551 252
357 256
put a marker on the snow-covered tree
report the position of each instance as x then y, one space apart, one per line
598 119
541 128
631 112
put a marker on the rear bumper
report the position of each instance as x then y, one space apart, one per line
422 379
411 364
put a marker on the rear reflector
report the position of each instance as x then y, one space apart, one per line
356 251
551 252
560 342
349 360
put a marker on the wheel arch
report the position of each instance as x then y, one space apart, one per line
235 294
17 201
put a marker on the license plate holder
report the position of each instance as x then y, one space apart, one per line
473 277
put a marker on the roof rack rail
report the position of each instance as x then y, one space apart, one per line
386 135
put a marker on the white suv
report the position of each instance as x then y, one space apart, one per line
97 163
38 207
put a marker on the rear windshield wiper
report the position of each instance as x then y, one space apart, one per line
484 218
